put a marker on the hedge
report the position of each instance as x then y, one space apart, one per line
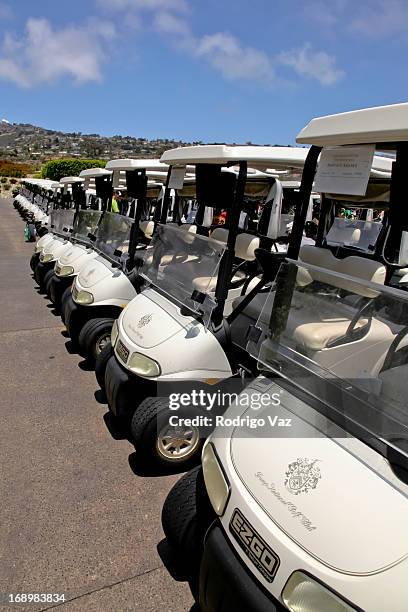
57 168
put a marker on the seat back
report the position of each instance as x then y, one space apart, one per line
358 267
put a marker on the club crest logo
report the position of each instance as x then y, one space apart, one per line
302 475
145 320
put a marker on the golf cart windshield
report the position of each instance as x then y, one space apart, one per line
113 235
354 233
185 266
86 223
62 221
342 343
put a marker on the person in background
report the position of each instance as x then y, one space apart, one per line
115 205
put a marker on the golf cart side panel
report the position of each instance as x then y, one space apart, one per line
184 348
77 258
57 249
107 284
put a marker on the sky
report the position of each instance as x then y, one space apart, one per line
198 70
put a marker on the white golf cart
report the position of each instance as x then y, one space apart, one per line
62 219
106 285
302 499
178 329
98 190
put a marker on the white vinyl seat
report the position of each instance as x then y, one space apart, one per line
147 227
314 323
245 247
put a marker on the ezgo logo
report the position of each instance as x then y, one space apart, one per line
254 546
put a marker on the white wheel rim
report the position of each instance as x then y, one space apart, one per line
177 444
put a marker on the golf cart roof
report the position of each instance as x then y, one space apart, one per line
381 124
68 180
260 158
95 172
133 164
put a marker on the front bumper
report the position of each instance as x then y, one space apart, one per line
225 583
41 270
57 287
75 317
125 391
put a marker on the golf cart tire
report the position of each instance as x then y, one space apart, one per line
35 258
100 365
89 335
180 522
64 297
144 426
179 515
47 281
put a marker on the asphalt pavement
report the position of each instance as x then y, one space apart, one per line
77 518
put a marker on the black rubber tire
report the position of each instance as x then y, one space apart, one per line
186 516
89 334
64 297
100 365
34 261
150 415
47 280
179 514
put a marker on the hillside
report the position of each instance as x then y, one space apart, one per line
24 142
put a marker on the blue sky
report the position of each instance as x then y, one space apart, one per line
210 70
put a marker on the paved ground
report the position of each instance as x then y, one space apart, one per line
75 518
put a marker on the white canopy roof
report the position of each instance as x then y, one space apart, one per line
257 157
68 180
380 124
94 172
133 164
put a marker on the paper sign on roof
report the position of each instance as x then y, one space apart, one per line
177 177
344 170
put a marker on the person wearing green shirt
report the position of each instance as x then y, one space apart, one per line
115 205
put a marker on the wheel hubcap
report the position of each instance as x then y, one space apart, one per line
101 343
177 444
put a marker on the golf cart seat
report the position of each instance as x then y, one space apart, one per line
343 235
245 247
147 227
401 272
321 319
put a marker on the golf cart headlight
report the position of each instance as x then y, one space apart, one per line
143 365
38 248
217 486
303 594
63 270
46 257
83 297
114 333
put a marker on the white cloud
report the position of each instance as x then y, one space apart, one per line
381 18
43 55
234 60
318 65
5 11
370 18
166 23
144 5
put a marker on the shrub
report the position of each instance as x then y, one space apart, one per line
13 181
3 180
15 169
57 168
